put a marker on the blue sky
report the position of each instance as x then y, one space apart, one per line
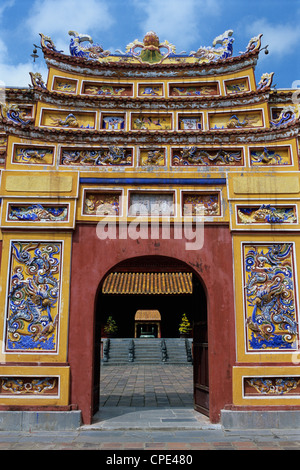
188 24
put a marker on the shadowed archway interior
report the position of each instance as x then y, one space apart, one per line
171 307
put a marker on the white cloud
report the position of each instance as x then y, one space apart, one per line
56 17
53 18
18 75
180 22
3 50
6 4
281 38
3 42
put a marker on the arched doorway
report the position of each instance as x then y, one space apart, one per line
168 286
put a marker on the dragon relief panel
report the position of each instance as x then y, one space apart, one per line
269 156
190 156
151 122
267 214
204 89
97 157
271 386
33 155
152 157
205 204
37 212
101 203
68 120
33 300
106 89
64 85
29 386
239 120
270 300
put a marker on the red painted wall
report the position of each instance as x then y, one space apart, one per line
92 258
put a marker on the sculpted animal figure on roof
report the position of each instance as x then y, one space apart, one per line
254 43
209 54
265 81
92 51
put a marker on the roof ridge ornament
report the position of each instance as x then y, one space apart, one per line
287 116
93 51
11 112
265 81
254 44
37 80
152 51
209 54
47 43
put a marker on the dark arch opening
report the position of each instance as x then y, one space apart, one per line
123 307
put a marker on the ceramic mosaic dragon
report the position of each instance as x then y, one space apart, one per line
26 385
153 158
112 156
37 212
216 53
92 51
33 296
266 214
277 386
195 156
270 294
11 112
286 116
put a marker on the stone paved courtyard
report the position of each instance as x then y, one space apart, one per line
147 385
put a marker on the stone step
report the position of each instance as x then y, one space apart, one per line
146 351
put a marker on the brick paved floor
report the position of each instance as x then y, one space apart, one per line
172 441
155 385
147 385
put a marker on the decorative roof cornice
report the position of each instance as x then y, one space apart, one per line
128 70
19 94
103 137
283 97
128 102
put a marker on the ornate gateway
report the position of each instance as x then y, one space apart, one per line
184 158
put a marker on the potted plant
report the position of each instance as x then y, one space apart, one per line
110 328
185 327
